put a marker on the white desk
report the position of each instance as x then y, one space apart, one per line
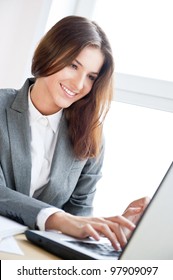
31 251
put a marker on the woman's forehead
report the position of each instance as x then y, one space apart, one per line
91 58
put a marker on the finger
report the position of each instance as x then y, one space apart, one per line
121 236
88 230
106 228
123 221
132 211
142 202
112 235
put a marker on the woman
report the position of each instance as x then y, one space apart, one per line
51 136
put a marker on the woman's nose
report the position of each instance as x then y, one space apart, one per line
79 82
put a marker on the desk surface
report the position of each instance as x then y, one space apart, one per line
31 251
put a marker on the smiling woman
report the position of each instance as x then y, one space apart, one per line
68 85
55 122
76 39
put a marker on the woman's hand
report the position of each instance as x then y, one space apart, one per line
134 211
82 227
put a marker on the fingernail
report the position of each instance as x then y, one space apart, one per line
118 246
138 209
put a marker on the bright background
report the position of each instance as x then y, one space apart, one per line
138 128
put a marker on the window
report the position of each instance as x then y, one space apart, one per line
140 33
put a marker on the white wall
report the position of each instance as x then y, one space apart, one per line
22 22
60 9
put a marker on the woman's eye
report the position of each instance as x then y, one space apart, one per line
92 78
74 66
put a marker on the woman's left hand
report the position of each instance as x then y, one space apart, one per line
134 211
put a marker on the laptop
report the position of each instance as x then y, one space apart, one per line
152 238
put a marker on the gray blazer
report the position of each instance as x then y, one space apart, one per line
72 182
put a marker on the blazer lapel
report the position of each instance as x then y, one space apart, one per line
19 134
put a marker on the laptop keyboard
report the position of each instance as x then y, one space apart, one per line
101 249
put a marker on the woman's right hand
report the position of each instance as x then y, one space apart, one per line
82 227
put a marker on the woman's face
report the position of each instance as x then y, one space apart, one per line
60 90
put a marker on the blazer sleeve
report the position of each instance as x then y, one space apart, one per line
81 200
17 206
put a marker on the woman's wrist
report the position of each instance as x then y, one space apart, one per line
56 220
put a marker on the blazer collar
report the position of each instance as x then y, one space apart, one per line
20 103
19 134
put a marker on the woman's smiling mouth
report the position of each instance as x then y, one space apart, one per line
68 92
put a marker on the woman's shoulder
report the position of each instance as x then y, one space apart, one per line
7 92
7 95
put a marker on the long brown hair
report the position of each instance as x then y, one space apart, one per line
57 49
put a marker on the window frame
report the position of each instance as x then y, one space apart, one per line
136 90
141 91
